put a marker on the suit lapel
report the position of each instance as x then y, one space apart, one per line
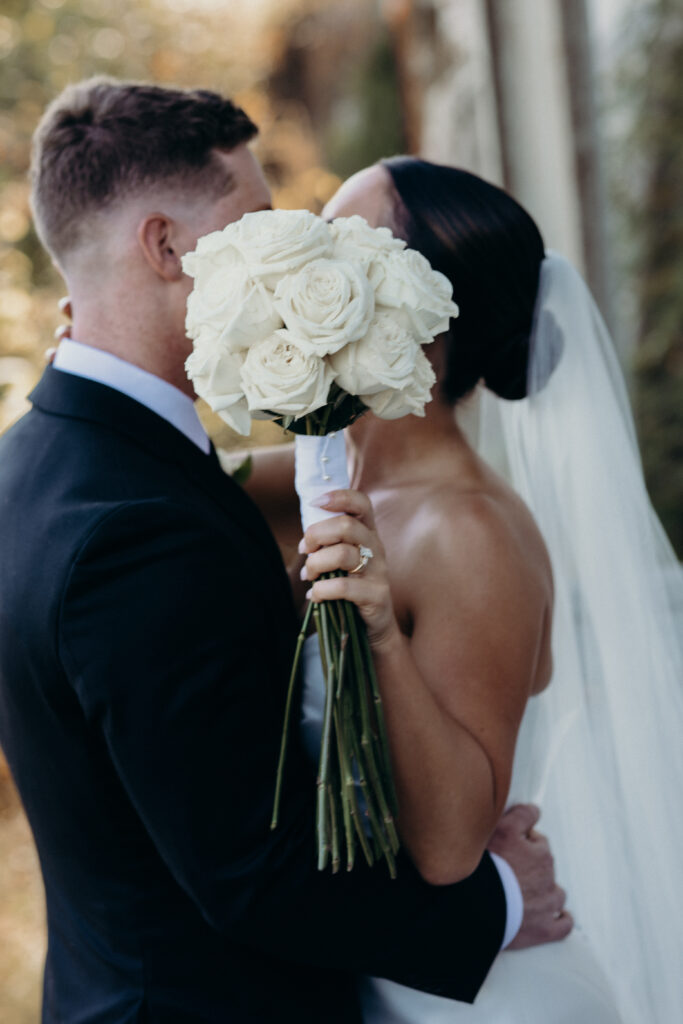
65 394
208 474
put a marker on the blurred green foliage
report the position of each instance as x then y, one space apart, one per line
650 200
367 124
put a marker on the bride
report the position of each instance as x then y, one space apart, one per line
467 595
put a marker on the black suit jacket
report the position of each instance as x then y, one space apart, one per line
146 632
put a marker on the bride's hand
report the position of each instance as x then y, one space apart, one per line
62 332
66 309
334 544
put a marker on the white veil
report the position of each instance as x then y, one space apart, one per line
601 750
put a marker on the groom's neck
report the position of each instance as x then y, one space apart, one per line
131 322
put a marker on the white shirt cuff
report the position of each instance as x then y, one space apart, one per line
513 899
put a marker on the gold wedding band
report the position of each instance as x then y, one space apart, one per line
365 556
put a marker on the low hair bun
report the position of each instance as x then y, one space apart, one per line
491 250
506 368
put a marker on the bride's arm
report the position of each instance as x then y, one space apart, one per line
454 691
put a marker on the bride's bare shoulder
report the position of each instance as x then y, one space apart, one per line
472 583
481 533
495 519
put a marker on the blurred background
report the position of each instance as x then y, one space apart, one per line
575 106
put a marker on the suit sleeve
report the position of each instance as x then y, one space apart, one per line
166 637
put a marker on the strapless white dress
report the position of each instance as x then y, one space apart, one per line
559 983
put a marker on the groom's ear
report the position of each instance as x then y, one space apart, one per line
156 237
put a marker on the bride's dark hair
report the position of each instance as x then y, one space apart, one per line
490 249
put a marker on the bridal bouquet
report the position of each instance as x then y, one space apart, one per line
310 324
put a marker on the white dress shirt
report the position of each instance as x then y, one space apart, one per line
146 388
513 899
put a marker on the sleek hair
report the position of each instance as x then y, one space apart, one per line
490 249
102 140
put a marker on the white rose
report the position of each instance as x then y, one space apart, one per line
384 358
214 242
392 404
211 250
354 239
327 304
228 308
215 373
276 242
278 376
405 280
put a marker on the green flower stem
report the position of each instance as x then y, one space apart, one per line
378 833
333 611
288 714
327 652
322 826
341 665
344 774
320 617
367 735
334 829
322 423
332 624
349 783
367 749
369 797
381 722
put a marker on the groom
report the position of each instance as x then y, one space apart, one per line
146 631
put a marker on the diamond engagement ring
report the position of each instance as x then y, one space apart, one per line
365 556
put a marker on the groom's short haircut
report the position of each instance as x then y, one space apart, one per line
102 140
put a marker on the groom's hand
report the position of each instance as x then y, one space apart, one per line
528 854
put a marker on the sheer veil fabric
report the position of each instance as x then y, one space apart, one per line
603 745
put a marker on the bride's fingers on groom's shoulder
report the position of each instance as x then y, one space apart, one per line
521 818
562 925
540 928
64 331
559 898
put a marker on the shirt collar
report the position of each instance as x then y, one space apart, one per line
151 391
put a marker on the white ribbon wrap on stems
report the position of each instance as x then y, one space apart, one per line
320 468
